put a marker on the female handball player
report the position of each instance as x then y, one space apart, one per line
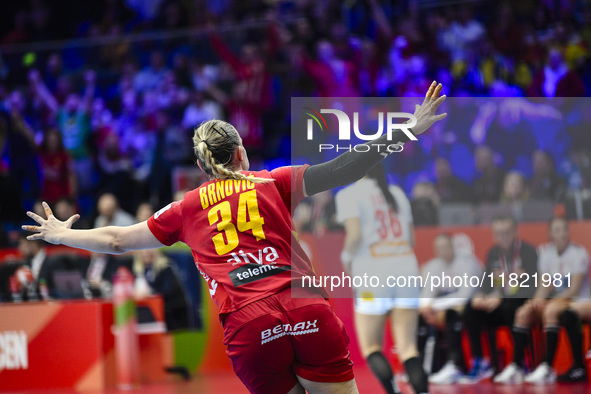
238 226
379 242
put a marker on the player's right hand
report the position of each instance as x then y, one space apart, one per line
48 229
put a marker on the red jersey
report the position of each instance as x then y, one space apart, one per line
241 235
55 168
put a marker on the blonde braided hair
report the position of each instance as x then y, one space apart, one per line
214 142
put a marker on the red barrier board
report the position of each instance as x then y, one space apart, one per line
70 344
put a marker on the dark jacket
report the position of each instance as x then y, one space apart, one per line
524 262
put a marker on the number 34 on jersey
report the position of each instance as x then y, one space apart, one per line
228 223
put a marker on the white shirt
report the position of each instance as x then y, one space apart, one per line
446 295
574 260
458 36
120 218
37 263
383 232
195 115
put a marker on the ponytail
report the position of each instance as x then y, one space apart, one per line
379 174
214 142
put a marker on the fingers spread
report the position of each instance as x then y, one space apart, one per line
438 102
417 108
430 91
437 91
36 217
48 212
72 219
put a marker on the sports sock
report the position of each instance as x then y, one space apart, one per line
416 375
423 335
381 368
519 341
453 333
571 322
552 332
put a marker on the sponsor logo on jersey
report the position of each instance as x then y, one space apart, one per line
249 273
14 350
268 254
281 330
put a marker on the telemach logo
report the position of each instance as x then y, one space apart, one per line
14 351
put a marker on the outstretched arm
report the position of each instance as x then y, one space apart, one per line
353 165
111 240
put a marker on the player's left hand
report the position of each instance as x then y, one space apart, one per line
425 113
49 229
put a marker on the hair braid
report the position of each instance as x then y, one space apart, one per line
214 142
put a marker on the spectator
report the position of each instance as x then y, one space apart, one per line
449 188
155 275
366 55
425 204
42 266
556 80
65 208
144 212
318 214
150 77
115 169
200 110
74 124
507 34
441 307
58 177
18 171
557 258
461 34
110 214
545 184
489 186
334 77
99 272
514 188
495 305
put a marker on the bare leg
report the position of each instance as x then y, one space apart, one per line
583 309
404 326
349 387
297 389
404 329
370 331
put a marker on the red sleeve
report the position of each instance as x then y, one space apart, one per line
167 223
311 67
290 183
226 54
272 41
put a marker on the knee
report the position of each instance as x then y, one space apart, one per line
523 316
367 350
568 318
407 352
552 313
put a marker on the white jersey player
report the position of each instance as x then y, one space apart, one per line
379 246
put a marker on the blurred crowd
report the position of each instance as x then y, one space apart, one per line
114 111
43 274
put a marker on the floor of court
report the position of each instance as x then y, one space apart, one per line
228 383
